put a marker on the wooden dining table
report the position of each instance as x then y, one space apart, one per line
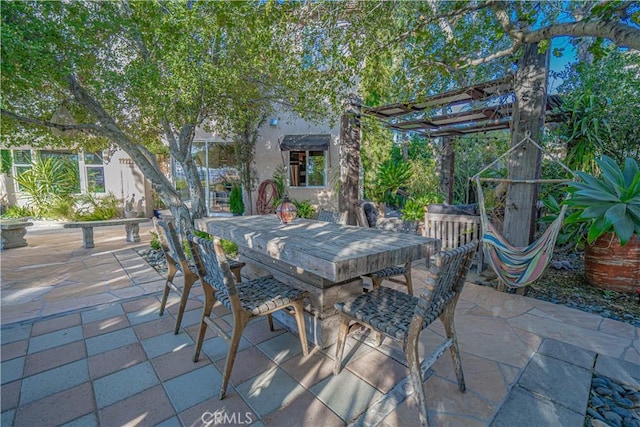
323 258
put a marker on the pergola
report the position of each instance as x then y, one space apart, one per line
478 108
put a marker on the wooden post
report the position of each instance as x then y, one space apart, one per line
530 88
349 158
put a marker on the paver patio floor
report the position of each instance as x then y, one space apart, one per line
82 345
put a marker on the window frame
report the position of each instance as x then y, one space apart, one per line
307 156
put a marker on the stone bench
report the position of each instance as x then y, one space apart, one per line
131 227
12 234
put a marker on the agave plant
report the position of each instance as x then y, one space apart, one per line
610 202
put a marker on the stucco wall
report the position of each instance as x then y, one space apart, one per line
269 157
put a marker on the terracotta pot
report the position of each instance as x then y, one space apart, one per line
610 266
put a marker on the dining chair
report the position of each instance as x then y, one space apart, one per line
246 300
400 274
331 216
178 262
402 317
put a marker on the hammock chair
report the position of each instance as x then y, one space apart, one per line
518 266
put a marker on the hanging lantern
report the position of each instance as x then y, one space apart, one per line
286 211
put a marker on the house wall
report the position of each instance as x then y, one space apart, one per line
124 179
269 157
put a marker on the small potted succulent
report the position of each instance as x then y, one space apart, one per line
609 206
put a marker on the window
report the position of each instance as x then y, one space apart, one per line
21 163
307 168
94 167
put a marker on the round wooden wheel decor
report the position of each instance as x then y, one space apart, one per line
267 197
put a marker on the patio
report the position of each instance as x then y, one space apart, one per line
82 344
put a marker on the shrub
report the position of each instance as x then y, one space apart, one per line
236 205
305 209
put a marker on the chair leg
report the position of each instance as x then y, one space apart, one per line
447 319
238 327
189 280
171 273
407 278
376 282
342 339
302 331
209 301
236 273
270 321
413 360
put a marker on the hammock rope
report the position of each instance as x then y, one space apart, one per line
517 266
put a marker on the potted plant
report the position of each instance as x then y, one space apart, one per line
236 205
609 205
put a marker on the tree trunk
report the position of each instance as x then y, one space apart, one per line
530 88
349 159
447 164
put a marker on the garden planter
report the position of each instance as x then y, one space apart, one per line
610 266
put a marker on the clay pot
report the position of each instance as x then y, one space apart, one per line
610 266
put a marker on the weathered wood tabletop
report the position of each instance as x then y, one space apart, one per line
331 251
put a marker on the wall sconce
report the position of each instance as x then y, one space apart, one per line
273 122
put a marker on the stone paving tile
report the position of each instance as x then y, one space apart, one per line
231 410
443 396
346 394
142 316
115 360
559 381
193 387
568 353
88 420
524 408
618 370
13 350
51 325
147 408
190 318
12 370
192 304
217 348
281 347
16 333
142 304
165 343
170 422
109 341
304 411
55 339
311 369
159 326
101 313
258 331
175 363
248 364
269 391
123 384
54 357
53 381
104 326
378 370
9 395
58 408
6 419
194 330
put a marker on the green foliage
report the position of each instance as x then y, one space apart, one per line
236 205
610 202
97 208
278 178
18 212
573 229
305 209
155 242
7 161
392 177
414 207
230 248
600 102
48 183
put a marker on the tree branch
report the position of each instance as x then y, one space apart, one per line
621 34
31 121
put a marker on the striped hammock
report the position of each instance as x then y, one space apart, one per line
517 266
